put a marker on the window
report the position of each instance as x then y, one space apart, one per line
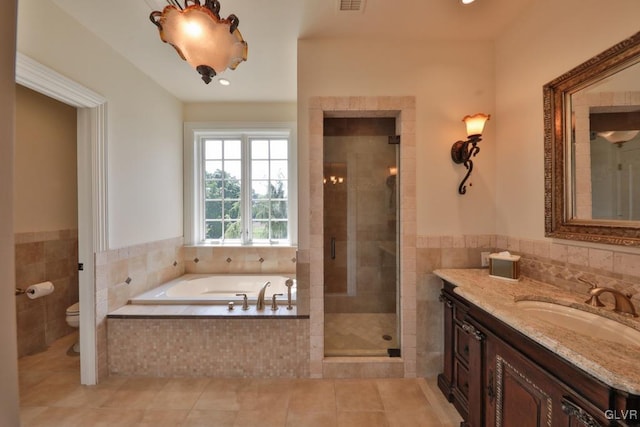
240 185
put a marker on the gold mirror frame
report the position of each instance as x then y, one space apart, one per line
556 207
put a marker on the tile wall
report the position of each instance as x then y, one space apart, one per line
45 256
125 272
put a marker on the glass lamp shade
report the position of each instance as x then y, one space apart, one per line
619 136
202 39
475 124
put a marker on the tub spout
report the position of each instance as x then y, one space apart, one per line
260 301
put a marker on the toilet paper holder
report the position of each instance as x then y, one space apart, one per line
20 291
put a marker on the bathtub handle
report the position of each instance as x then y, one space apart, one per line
274 303
245 301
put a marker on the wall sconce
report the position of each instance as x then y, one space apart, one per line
463 151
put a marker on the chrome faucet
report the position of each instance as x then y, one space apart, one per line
623 301
260 301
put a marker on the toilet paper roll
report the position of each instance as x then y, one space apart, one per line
39 290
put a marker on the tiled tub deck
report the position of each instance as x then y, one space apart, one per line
205 340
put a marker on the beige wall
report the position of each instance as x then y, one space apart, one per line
144 133
9 410
46 195
547 40
449 80
240 112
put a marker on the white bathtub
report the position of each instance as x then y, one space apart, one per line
217 289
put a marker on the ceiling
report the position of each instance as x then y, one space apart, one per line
272 28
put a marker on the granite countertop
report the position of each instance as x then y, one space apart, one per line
613 363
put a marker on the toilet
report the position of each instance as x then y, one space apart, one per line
73 320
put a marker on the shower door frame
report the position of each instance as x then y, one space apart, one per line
402 108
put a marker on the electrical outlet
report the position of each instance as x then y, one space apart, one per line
484 259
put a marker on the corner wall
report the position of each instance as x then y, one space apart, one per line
9 398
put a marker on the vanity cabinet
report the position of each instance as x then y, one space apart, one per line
496 376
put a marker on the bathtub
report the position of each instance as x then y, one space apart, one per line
217 289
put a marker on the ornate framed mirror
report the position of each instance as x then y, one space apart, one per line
592 149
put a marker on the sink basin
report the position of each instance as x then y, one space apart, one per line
581 322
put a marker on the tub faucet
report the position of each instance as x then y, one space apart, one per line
623 301
260 301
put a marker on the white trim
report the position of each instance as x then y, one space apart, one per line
92 188
192 170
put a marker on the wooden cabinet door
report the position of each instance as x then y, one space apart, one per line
518 393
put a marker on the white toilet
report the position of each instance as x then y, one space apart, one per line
73 320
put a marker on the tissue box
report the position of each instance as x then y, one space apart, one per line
503 265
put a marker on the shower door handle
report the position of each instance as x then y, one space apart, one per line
333 248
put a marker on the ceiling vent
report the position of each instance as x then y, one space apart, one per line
350 5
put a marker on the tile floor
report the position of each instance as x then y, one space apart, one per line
359 334
51 396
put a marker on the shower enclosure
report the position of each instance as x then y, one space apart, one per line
360 237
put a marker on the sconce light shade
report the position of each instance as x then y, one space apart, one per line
463 151
475 124
209 44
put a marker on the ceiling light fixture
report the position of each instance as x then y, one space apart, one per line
209 44
467 1
224 82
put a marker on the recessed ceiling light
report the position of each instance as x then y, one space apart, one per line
467 1
224 82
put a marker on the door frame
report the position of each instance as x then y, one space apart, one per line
92 188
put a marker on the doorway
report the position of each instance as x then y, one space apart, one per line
361 211
92 188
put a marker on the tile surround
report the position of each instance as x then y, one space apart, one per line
403 108
556 263
146 265
45 256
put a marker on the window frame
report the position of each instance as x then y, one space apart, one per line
194 135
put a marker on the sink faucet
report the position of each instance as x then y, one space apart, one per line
623 301
260 301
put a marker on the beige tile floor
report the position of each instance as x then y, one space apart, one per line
359 334
51 396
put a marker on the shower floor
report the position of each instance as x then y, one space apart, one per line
359 334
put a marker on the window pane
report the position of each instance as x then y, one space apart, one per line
232 188
213 189
279 169
259 149
279 210
233 168
279 149
232 149
213 169
213 230
279 229
260 169
279 190
260 230
213 210
213 149
232 209
260 189
232 230
260 210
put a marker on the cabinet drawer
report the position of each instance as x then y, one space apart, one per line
461 346
462 379
460 312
